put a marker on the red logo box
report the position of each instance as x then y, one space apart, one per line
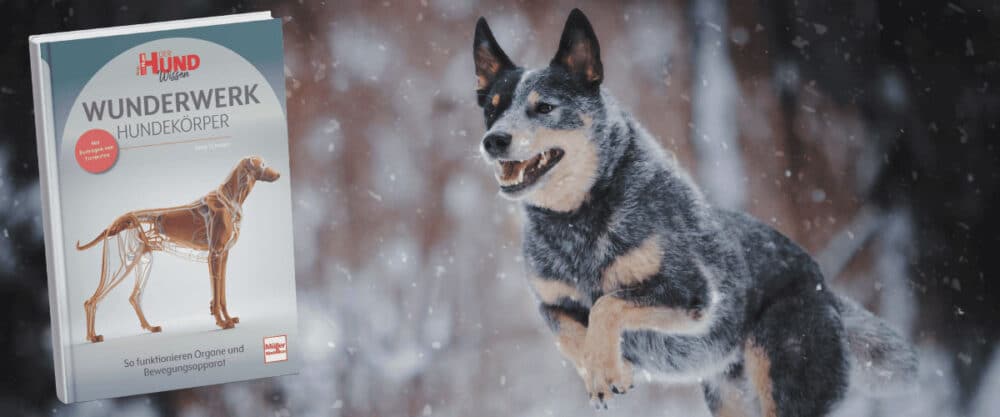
275 348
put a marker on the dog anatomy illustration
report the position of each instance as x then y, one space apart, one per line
203 231
634 270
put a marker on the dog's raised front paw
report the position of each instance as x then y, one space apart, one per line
604 375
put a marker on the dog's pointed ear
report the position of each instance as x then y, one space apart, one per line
490 59
579 52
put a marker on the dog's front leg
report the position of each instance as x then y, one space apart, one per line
606 371
222 291
562 306
570 328
216 265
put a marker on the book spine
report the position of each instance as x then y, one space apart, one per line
51 220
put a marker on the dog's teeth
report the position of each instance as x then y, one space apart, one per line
524 168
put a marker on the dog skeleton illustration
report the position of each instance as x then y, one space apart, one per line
203 231
635 271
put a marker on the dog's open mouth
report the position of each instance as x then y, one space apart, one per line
517 175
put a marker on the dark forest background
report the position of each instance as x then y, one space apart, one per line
865 130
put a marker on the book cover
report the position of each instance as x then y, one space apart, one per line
164 160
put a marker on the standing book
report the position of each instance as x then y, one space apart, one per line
163 151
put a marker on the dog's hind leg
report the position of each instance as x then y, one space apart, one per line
728 396
108 281
90 306
141 278
795 357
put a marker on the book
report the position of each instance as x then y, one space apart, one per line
163 157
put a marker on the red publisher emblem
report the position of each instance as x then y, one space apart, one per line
275 349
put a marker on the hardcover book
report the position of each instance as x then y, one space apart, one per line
163 151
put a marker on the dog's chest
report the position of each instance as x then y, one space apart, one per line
236 216
222 218
572 253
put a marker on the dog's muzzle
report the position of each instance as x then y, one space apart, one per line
270 175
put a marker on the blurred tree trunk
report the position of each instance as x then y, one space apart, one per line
714 128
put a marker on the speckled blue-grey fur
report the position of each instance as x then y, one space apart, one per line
759 287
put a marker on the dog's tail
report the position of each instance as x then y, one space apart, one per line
882 362
100 237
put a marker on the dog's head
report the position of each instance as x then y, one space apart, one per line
258 170
540 123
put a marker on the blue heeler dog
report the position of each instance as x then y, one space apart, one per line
636 271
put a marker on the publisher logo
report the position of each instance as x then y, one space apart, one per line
168 66
275 349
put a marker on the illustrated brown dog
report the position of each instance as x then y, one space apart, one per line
203 231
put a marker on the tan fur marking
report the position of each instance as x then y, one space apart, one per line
613 314
626 316
568 184
610 316
732 402
533 98
496 100
603 363
551 291
758 366
570 340
663 319
727 410
606 321
635 266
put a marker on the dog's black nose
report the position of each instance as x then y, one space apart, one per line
496 144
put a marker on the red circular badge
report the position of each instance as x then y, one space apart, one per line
96 151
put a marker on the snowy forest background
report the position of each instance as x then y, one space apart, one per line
865 130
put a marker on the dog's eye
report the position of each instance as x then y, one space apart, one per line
544 108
